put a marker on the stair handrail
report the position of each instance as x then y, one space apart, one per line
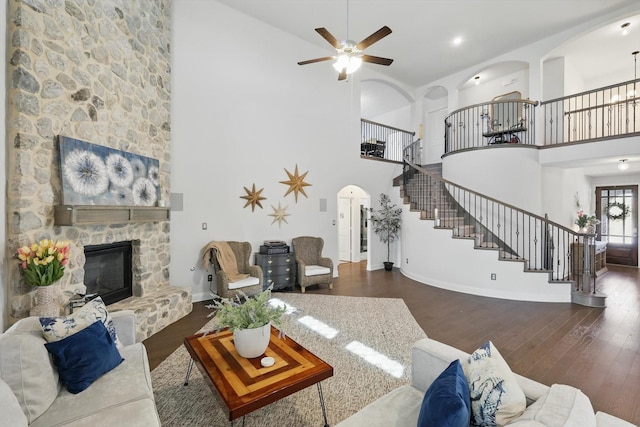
480 125
548 236
595 114
383 142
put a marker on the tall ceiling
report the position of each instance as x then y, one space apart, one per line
423 30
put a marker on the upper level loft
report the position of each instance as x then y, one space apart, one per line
603 113
598 114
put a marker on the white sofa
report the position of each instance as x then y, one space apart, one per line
401 406
31 393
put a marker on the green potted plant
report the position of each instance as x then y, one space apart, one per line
386 224
250 320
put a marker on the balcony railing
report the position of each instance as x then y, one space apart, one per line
496 122
609 112
542 245
383 142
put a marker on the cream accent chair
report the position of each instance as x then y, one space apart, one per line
252 285
312 269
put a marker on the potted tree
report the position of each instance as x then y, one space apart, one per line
250 320
386 224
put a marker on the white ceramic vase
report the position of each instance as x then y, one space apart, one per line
252 343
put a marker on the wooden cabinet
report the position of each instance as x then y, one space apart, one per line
277 269
598 258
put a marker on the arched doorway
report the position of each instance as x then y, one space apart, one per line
353 230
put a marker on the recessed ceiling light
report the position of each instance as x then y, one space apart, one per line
625 28
457 41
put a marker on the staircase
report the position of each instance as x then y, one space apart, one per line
541 245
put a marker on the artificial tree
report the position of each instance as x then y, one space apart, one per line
386 224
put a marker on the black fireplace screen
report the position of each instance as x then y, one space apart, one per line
107 271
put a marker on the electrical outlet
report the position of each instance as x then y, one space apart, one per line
407 261
210 278
493 276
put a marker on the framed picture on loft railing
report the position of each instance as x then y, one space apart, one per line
96 175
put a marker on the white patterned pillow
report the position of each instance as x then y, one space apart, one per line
496 397
58 328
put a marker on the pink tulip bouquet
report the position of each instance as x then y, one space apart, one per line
43 263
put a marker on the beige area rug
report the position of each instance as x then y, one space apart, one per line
382 324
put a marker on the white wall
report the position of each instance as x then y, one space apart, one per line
399 118
562 191
489 89
243 111
553 80
573 80
509 173
3 181
438 264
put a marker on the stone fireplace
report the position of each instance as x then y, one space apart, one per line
99 72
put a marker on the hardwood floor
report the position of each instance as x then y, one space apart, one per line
596 350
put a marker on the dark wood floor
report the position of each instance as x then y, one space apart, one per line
596 350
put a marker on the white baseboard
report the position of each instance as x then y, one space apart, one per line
201 296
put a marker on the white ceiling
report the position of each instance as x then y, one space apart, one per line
423 30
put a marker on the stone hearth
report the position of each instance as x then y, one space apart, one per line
156 309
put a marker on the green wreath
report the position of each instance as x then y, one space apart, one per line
616 210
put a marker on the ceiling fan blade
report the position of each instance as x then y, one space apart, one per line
343 74
311 61
329 37
382 32
377 60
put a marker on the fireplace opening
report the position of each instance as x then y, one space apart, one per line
107 271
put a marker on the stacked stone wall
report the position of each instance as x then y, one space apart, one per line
98 71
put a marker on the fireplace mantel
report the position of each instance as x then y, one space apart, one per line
92 215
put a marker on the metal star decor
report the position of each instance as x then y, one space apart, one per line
253 197
296 183
279 214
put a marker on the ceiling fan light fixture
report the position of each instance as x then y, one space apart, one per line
623 164
347 62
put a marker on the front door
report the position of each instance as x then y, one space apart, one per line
617 211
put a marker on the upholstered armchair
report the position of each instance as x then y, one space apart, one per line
252 285
312 269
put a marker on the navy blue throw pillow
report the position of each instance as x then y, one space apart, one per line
84 357
447 402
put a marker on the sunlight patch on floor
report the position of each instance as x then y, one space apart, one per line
372 356
319 327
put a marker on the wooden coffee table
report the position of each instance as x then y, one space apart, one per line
244 385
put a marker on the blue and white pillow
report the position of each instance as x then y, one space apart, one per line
58 328
496 396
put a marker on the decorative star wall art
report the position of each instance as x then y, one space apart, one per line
253 197
296 183
279 214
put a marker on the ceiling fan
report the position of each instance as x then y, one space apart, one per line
350 55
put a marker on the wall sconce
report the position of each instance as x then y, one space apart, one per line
625 28
477 79
623 164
